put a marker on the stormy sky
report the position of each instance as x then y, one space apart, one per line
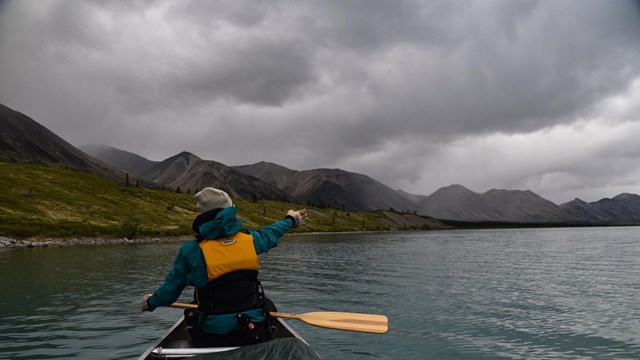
507 94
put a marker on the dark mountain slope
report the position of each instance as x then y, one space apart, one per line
519 206
132 163
621 209
456 202
331 188
191 173
274 174
23 140
450 202
347 190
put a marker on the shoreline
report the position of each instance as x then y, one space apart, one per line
37 242
10 243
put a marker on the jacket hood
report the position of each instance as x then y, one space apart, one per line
217 223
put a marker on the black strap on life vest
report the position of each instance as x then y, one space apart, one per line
233 292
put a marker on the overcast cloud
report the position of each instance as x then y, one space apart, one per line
511 94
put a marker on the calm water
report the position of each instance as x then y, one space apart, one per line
491 294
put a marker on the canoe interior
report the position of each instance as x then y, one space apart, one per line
177 344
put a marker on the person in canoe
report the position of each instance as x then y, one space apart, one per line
222 265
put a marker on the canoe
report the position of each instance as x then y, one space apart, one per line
177 344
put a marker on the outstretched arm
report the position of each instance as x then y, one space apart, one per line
267 237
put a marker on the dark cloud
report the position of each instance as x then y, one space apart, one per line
270 73
413 93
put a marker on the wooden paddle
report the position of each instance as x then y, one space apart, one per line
368 323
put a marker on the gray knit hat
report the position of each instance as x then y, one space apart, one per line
210 198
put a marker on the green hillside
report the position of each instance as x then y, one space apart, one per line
41 201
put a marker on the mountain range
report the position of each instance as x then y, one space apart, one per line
351 191
22 139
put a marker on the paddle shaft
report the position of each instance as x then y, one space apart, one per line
184 306
369 323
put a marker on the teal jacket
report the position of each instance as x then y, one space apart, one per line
190 269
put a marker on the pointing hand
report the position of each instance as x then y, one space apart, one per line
299 217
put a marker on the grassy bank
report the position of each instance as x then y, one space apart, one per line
42 201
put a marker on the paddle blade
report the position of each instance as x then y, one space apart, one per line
368 323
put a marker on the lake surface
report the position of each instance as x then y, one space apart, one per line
472 294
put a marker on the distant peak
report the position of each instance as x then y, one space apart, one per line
574 202
266 164
185 155
456 187
626 196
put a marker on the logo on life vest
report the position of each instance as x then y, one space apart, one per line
227 242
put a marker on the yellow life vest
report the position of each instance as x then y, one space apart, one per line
227 254
232 270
